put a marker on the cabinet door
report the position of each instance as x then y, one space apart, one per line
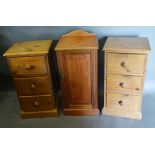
77 78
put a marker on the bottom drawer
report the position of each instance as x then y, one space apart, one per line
123 101
36 103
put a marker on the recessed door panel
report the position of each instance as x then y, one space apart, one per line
77 73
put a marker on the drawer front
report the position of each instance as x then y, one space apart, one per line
131 64
36 103
124 83
123 101
33 86
28 66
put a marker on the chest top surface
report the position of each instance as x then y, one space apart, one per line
127 44
29 47
77 39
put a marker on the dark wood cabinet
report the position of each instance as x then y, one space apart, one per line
77 62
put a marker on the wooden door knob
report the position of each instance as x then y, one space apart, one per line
120 102
28 67
36 104
124 64
32 86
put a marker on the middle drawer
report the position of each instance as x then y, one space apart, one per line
124 83
33 86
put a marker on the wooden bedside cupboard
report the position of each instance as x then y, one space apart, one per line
29 65
124 75
77 62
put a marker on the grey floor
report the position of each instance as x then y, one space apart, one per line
9 115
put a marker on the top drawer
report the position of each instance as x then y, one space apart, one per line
130 64
28 66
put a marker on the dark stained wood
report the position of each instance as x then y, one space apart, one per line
36 103
77 39
50 113
78 73
32 86
81 112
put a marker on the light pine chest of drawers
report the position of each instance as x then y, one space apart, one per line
125 61
29 64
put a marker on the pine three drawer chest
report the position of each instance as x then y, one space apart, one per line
29 64
124 74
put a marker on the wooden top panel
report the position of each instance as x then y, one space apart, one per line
29 47
126 44
77 39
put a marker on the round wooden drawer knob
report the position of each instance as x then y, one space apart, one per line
121 84
32 86
36 104
120 102
137 89
124 64
28 67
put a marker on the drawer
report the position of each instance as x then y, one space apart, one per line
28 66
33 86
124 83
36 103
123 101
131 64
